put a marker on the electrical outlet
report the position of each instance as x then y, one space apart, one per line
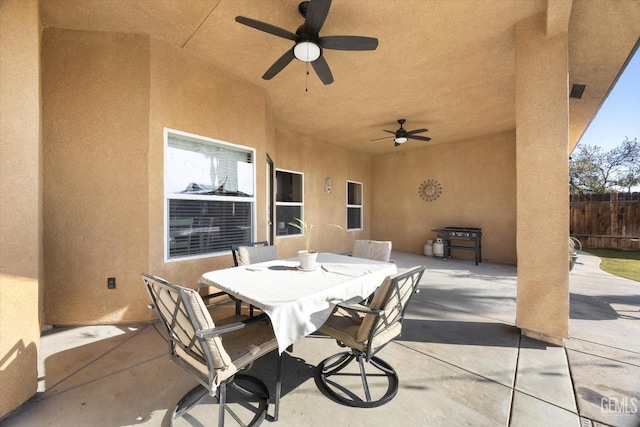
111 283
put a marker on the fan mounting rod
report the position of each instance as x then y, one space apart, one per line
307 48
302 8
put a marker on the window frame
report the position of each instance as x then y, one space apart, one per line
297 232
355 206
167 196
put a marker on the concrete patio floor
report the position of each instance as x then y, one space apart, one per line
461 361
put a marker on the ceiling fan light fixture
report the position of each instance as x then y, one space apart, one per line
400 139
306 51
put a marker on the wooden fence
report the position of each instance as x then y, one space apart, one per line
610 221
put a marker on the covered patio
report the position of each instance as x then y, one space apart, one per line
460 359
91 93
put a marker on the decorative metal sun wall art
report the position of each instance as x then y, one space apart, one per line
430 190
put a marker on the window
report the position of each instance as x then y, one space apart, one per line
354 205
289 201
209 192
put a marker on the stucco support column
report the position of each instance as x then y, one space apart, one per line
542 135
20 202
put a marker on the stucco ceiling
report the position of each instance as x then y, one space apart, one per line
445 65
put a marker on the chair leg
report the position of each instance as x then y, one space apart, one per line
243 398
251 387
363 376
222 401
188 401
278 388
331 369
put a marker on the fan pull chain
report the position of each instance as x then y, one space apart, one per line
306 79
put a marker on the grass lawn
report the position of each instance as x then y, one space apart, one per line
620 263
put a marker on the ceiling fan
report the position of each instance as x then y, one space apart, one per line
308 43
402 135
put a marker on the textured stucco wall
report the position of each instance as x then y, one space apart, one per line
20 137
107 99
478 190
542 135
19 341
190 95
319 161
20 206
95 142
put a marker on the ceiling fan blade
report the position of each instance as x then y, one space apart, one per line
378 139
412 132
267 28
277 66
348 43
393 132
316 15
322 70
420 138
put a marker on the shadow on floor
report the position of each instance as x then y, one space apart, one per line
600 307
457 332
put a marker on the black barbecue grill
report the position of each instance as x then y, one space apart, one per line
466 238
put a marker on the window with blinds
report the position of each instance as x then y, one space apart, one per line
209 193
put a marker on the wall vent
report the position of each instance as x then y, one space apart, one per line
577 91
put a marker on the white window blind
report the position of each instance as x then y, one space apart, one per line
209 192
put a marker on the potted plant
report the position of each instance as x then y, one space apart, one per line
307 257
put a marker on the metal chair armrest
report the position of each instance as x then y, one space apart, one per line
219 330
360 309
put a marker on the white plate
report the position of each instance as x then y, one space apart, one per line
306 269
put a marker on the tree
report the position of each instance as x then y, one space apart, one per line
632 178
594 170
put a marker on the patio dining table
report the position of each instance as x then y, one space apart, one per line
298 302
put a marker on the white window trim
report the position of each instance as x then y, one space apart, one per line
360 206
165 225
301 204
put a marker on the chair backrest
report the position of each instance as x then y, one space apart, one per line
372 249
252 253
392 297
183 313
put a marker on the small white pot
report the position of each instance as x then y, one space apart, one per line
307 259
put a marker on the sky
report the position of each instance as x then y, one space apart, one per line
619 116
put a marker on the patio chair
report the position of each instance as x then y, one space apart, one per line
372 249
214 355
366 330
252 253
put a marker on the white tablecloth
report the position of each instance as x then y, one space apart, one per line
299 302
